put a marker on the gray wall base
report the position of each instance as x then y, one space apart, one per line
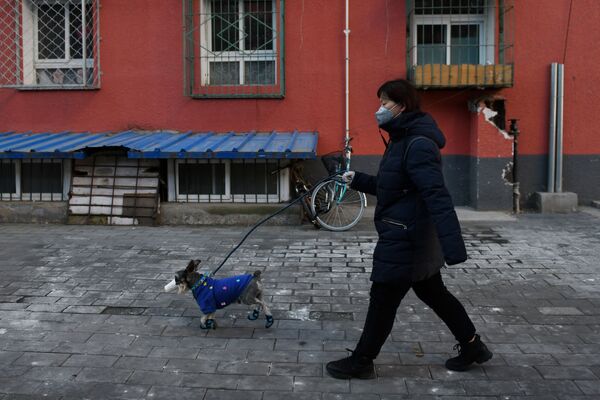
563 202
226 214
33 212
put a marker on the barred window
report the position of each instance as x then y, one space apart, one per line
460 43
217 181
38 177
34 179
233 48
49 44
8 185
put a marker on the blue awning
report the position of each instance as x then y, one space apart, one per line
162 144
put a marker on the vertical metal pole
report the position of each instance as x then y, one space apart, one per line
347 33
559 129
552 132
83 43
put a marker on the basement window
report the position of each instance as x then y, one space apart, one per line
238 181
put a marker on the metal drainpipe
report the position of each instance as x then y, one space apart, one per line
559 128
347 33
514 132
552 132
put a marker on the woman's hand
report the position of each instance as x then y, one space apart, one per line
348 176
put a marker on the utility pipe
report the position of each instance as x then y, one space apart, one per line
559 128
552 131
347 33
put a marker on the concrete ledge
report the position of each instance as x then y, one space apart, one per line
564 202
596 203
36 212
226 214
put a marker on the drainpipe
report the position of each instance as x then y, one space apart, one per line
347 33
555 137
514 132
559 128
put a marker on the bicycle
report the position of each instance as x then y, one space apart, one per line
335 205
332 205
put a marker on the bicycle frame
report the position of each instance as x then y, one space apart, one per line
340 188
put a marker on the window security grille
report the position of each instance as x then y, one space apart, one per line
34 180
239 181
460 43
234 48
49 44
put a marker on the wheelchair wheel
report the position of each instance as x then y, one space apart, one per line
337 207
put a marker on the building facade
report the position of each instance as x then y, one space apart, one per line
254 69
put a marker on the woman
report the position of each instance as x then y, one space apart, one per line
418 232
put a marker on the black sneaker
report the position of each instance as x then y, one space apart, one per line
468 353
354 366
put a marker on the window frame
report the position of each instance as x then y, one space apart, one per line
487 32
235 56
282 194
448 20
31 63
19 195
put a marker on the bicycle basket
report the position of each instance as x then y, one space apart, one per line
333 162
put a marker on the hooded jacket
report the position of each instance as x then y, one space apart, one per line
415 219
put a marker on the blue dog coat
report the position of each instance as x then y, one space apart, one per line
213 294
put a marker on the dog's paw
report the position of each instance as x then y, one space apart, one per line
269 322
209 324
254 315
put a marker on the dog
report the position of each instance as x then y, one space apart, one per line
213 294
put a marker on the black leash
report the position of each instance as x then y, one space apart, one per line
268 218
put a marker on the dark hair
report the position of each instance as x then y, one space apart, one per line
402 92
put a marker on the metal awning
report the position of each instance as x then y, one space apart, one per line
162 144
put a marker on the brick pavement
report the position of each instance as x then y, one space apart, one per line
82 315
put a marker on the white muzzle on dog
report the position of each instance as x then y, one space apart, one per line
169 287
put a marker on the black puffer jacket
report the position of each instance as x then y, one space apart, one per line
415 218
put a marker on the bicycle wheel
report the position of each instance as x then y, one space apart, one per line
337 207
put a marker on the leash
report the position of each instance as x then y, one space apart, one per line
259 223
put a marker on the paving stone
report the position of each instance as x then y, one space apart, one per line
212 394
531 287
41 359
83 360
112 375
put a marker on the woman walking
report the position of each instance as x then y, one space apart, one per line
418 233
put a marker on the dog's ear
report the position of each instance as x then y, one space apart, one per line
192 266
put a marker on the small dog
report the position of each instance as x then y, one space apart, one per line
213 294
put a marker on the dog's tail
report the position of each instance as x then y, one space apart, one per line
257 274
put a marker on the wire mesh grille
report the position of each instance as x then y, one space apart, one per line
234 48
460 43
49 44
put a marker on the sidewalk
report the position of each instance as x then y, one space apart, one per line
83 315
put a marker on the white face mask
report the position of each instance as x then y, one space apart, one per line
383 115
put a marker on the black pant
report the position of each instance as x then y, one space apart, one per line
385 299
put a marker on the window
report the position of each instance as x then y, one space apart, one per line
37 177
34 180
246 181
239 48
8 185
57 46
446 34
453 32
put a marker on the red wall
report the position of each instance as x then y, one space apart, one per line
142 80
